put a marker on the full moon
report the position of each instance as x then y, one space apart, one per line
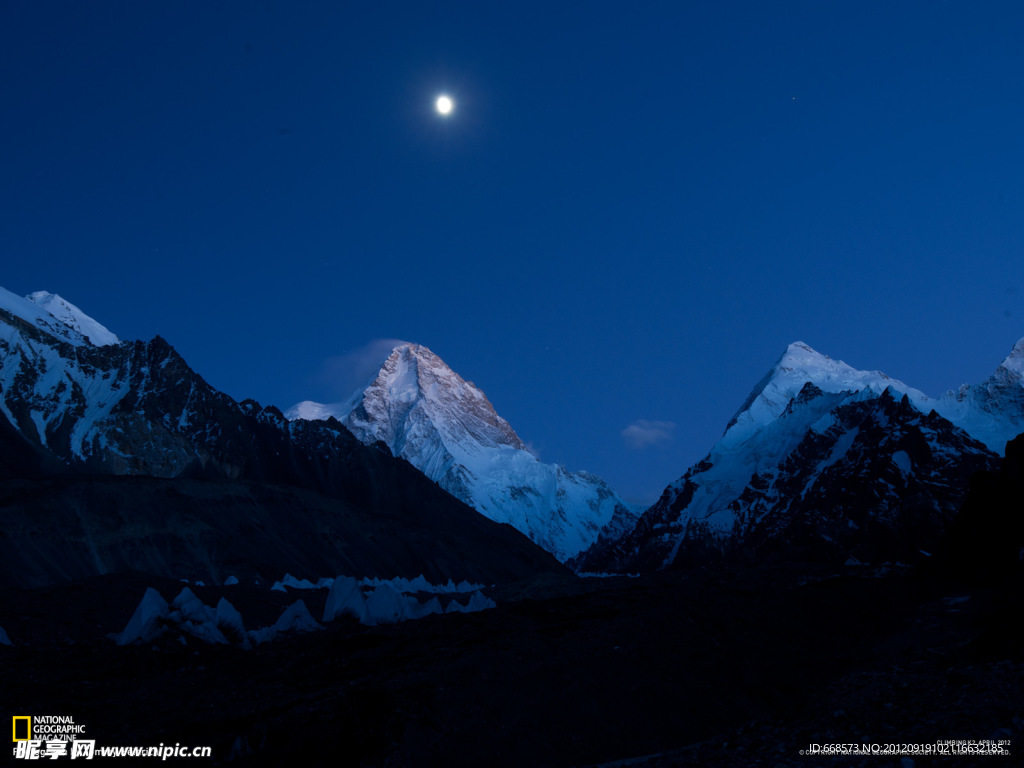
444 105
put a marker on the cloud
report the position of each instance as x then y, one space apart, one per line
343 374
643 433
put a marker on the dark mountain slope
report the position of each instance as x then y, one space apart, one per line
58 529
122 457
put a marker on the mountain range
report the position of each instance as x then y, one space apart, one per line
821 462
830 461
117 455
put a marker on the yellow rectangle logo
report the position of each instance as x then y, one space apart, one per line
22 728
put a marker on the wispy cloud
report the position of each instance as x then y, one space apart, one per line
643 433
343 374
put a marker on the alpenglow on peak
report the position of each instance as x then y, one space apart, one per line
412 388
447 428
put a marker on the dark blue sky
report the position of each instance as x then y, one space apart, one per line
633 210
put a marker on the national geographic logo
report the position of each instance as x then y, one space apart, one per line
46 727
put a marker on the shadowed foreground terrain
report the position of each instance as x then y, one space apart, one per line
705 668
57 529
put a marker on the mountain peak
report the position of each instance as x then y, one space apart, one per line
73 317
60 319
414 383
800 358
446 427
818 440
410 368
800 350
799 365
1015 360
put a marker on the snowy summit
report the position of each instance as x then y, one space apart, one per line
812 417
57 317
447 428
73 317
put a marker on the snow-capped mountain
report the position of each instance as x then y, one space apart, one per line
74 318
57 317
824 455
446 427
992 411
210 480
123 408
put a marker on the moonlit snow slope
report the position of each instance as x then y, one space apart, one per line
767 428
768 425
57 317
73 317
446 427
992 411
800 399
103 405
63 382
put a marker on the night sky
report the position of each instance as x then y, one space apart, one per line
632 210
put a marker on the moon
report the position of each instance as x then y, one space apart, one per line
444 105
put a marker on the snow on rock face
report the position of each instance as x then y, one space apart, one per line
1014 362
799 365
992 411
37 316
798 394
446 427
131 408
802 436
57 317
311 411
74 318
